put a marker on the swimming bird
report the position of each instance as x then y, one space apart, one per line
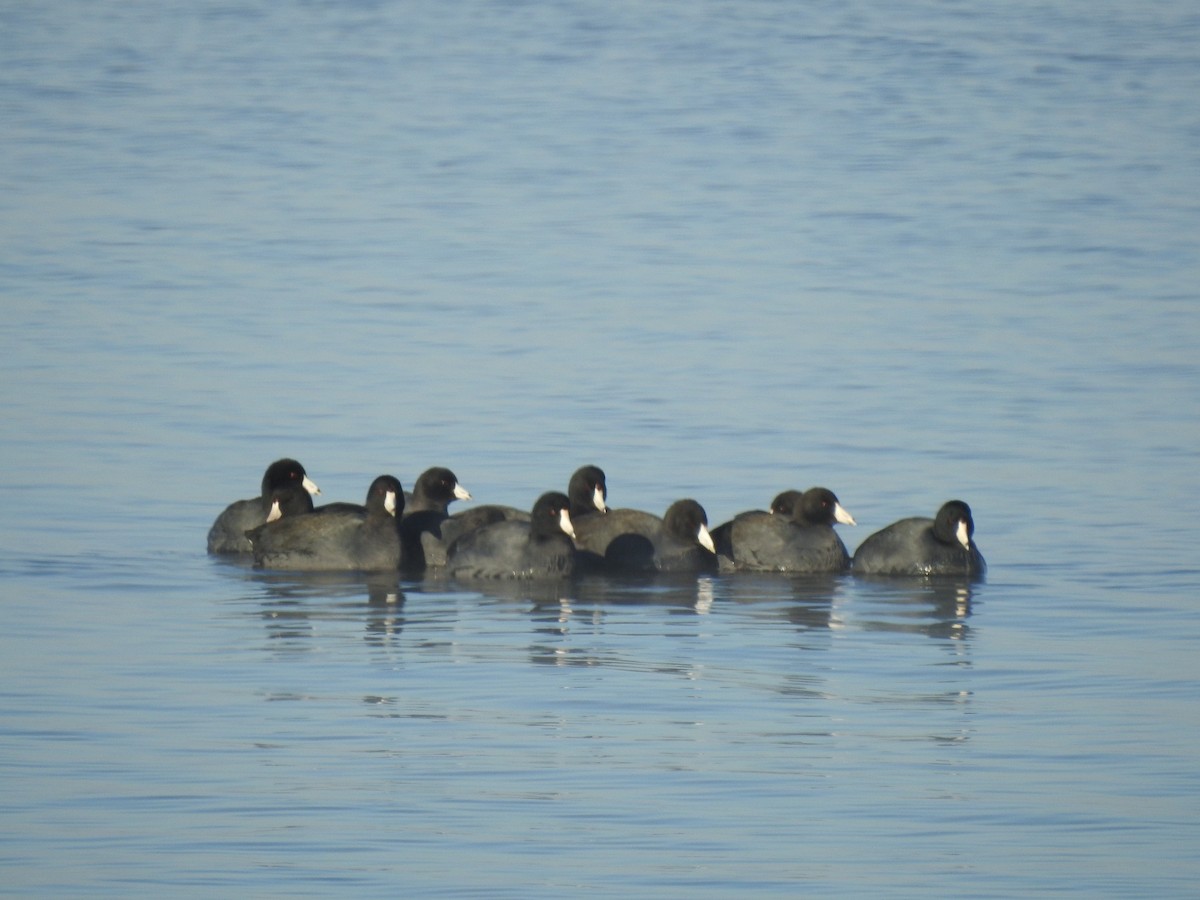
802 543
228 531
943 545
512 549
782 505
421 529
587 491
336 540
630 540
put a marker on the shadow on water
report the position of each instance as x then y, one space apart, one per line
760 633
677 593
296 606
936 607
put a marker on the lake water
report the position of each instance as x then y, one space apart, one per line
910 251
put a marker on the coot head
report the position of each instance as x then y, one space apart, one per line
588 491
820 506
286 471
437 488
953 524
385 496
551 515
687 520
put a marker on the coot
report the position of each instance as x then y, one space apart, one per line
587 490
228 532
421 529
943 545
630 540
539 548
803 543
336 540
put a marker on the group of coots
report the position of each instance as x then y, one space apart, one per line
571 533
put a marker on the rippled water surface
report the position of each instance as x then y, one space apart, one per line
909 252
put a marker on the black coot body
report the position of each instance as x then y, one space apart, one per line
804 543
421 529
336 540
228 532
510 549
587 490
630 540
782 505
943 545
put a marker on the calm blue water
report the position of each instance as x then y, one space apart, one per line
908 251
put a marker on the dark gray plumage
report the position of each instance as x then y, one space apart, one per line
510 549
587 491
782 505
422 530
228 531
803 543
336 540
943 545
630 540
